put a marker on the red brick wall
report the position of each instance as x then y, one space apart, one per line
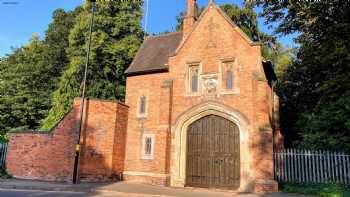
103 140
44 156
120 140
155 123
50 156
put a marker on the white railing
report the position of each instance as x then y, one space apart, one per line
3 150
304 166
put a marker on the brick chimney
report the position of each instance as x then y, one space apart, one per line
190 17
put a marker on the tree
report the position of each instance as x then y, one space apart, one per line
57 41
315 94
117 35
28 75
23 100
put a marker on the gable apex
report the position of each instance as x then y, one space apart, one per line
212 5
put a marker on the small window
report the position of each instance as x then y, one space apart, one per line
194 77
147 146
142 109
229 78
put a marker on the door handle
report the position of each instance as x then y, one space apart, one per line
218 161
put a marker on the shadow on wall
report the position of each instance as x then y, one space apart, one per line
50 156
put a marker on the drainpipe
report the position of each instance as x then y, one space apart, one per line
169 83
273 83
171 95
273 117
171 89
82 102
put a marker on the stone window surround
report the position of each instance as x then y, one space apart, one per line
188 78
143 153
178 159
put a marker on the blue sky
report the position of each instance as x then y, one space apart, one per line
19 19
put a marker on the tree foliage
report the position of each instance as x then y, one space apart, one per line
116 37
28 75
20 104
314 91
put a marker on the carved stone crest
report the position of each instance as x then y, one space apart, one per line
210 84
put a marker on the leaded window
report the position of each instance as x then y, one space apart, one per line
142 108
229 77
148 146
194 78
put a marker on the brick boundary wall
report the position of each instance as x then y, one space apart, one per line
103 147
50 156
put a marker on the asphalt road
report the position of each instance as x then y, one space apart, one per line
27 193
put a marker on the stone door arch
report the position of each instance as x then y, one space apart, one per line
179 141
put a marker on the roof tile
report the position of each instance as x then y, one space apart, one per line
154 53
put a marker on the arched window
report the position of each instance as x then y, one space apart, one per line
194 78
142 109
229 78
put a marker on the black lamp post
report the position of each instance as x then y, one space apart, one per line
82 103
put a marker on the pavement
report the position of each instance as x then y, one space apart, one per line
29 188
33 193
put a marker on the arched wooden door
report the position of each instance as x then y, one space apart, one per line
213 156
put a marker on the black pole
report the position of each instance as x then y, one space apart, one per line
82 102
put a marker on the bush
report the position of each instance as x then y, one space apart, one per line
4 174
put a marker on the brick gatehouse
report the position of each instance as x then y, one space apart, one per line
200 113
200 107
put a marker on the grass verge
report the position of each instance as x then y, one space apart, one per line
321 190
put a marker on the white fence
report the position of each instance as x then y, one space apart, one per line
303 166
3 150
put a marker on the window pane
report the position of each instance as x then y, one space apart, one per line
229 79
143 105
194 80
148 146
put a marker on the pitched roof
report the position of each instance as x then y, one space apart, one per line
154 53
